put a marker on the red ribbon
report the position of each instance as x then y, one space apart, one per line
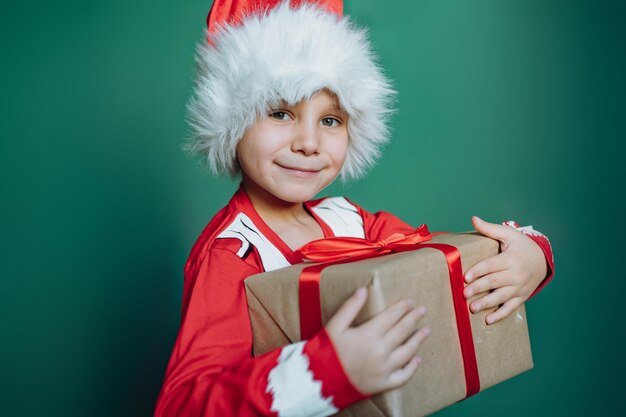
334 251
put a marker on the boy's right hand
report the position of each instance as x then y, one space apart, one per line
380 354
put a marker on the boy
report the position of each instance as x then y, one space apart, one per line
291 98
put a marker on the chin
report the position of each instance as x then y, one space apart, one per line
298 194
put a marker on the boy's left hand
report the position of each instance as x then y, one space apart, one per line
510 276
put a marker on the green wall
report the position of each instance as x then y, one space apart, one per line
507 109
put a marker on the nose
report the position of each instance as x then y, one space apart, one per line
306 139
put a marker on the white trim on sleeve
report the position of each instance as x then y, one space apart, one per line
295 393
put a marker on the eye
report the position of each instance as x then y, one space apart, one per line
330 122
280 115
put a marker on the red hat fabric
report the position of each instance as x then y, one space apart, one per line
233 11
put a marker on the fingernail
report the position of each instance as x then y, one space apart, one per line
468 277
468 293
426 331
421 310
476 307
360 291
489 320
418 360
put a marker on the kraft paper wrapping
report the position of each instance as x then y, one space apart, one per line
502 349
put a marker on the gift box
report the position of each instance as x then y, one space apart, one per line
461 356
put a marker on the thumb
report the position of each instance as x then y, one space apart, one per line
492 230
348 311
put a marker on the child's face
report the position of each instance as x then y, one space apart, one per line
295 151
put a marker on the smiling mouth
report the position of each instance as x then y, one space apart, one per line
300 172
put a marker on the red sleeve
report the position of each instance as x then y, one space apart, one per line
543 242
211 371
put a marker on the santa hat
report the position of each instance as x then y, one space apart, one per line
258 53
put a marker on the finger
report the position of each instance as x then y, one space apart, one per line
348 311
401 376
492 230
487 282
405 352
493 299
506 309
486 266
404 328
384 320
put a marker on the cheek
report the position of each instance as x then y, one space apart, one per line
338 151
251 151
249 158
264 141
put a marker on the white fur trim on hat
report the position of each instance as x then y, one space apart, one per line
287 54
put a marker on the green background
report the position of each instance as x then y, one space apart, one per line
507 109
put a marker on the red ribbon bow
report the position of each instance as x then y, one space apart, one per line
339 250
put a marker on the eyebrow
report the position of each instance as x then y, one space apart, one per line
337 107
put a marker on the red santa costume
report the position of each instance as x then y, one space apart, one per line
211 371
243 67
